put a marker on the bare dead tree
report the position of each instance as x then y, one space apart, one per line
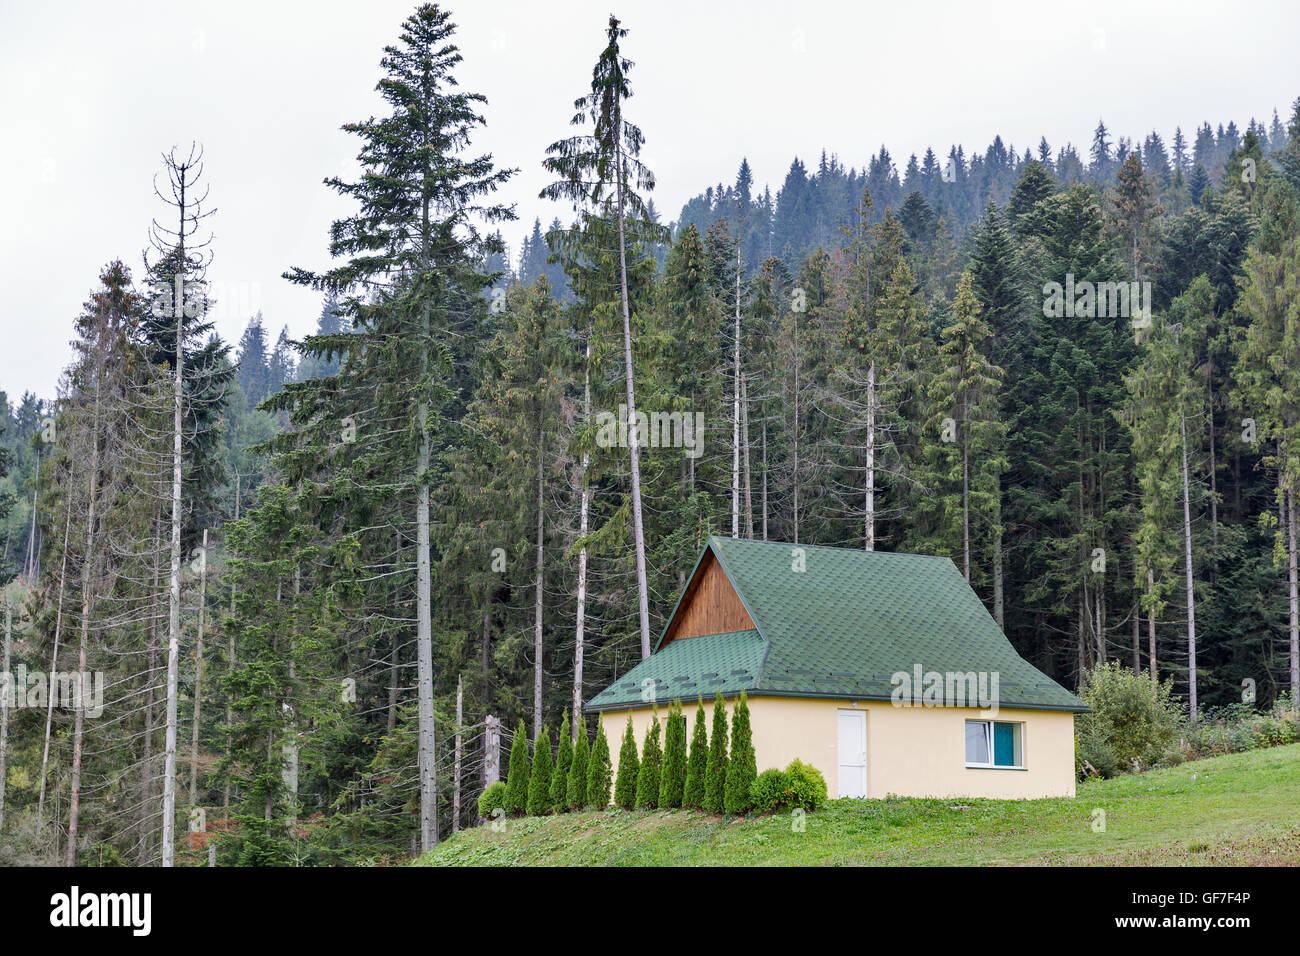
189 259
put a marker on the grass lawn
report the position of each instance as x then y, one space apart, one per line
1237 809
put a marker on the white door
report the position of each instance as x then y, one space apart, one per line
853 753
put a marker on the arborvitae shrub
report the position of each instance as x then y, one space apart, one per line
598 768
768 791
539 784
652 763
805 786
715 775
493 798
697 767
560 775
672 781
629 769
742 767
575 788
517 776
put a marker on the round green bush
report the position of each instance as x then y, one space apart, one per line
1136 720
494 797
768 791
805 786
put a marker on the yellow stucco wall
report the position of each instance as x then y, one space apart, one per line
911 751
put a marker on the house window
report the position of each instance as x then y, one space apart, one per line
995 743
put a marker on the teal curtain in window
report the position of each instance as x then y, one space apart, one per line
1004 745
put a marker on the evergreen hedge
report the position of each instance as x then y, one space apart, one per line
598 769
491 799
560 775
742 768
518 775
575 787
716 771
672 781
697 766
629 768
539 784
652 761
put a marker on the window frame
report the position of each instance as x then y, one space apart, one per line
989 739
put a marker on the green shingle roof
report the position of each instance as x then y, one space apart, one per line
840 628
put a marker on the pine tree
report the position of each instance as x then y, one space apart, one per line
716 772
598 766
600 171
575 790
629 770
672 782
539 783
1268 375
560 775
651 769
967 456
697 768
742 768
413 281
519 775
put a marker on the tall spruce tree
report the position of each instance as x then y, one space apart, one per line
601 174
412 277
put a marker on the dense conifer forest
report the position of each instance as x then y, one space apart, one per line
300 576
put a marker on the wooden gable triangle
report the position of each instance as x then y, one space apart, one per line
709 605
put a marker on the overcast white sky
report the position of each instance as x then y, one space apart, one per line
91 93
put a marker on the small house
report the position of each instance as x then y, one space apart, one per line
883 670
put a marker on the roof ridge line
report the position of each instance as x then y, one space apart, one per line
833 547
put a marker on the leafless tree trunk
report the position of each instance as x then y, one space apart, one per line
538 595
4 712
424 588
230 661
584 515
744 442
198 672
54 667
1293 580
634 452
1151 631
182 176
87 603
735 407
764 479
965 497
999 601
794 476
869 504
1191 587
455 779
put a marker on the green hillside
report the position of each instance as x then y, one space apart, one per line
1236 809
